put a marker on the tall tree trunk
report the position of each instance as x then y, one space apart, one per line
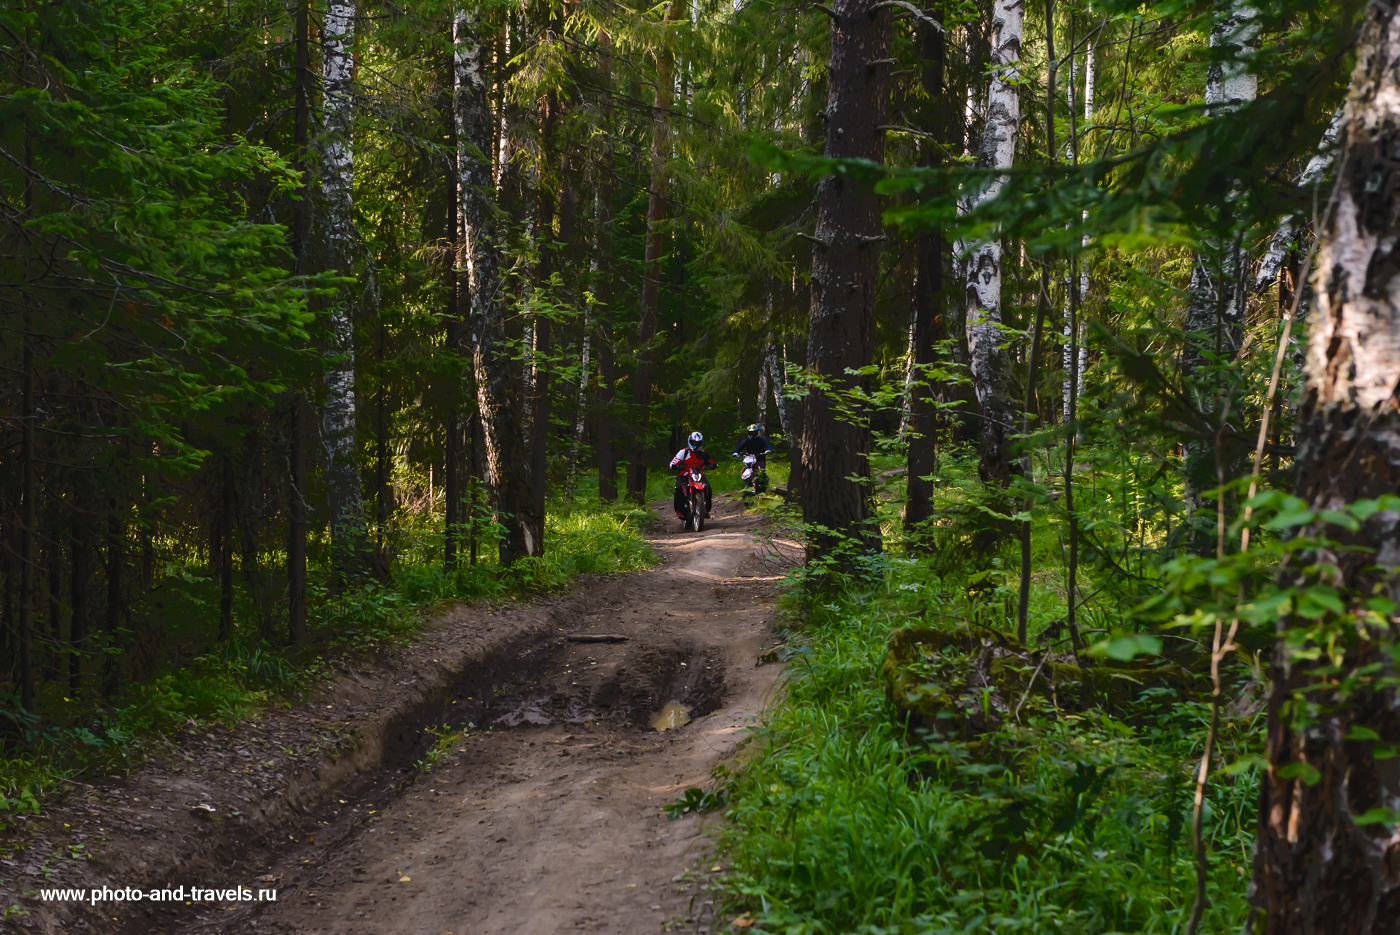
222 547
604 434
301 138
929 325
452 424
28 521
1031 407
1215 312
845 267
600 281
116 558
508 475
347 520
1321 865
989 363
78 594
296 522
776 378
543 331
581 418
651 273
1285 238
301 249
383 492
1078 337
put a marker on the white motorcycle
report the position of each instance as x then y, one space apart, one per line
753 476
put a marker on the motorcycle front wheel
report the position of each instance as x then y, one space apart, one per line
697 509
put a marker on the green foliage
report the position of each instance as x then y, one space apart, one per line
1075 823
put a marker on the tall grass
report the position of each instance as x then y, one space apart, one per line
844 823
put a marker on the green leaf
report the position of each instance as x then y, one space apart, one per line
1382 605
1362 733
1290 519
1383 753
1363 509
1338 518
1303 771
1263 499
1249 761
1126 647
1378 816
1325 596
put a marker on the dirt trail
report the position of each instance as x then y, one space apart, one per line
552 820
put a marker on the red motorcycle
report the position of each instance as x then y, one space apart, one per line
693 499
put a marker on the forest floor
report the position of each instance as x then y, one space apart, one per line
542 813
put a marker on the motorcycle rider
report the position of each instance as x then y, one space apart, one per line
754 444
692 455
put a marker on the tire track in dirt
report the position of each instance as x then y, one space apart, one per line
556 824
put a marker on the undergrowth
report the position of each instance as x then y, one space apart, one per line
845 821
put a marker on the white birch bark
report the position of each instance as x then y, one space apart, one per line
908 380
989 362
1215 311
776 378
581 420
1083 267
1286 236
511 487
347 522
1216 292
762 394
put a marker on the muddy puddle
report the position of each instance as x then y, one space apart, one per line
671 717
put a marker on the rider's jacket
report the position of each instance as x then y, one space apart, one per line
753 445
689 458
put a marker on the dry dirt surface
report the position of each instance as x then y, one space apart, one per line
548 816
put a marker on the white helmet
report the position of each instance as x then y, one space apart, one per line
695 439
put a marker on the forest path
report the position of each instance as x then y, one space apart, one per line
556 825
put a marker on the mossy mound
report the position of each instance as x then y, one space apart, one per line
959 683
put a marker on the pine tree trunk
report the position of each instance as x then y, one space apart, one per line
603 437
989 363
845 267
1317 868
223 542
347 520
507 472
78 594
651 267
544 332
929 325
296 522
29 518
116 558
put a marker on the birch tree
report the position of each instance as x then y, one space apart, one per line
347 521
1329 845
1215 311
507 475
989 363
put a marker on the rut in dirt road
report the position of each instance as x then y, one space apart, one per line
551 820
